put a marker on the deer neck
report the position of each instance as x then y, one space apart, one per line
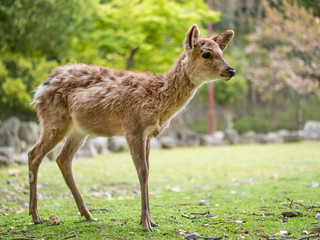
179 89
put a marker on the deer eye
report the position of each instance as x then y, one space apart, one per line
206 55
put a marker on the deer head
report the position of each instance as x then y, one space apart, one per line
204 61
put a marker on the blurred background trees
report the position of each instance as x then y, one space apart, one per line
275 52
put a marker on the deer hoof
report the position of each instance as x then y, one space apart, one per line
94 220
154 224
148 229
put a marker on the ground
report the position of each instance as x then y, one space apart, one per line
244 189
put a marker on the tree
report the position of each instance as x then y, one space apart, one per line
285 53
41 27
148 34
35 36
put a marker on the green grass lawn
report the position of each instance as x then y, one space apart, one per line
244 185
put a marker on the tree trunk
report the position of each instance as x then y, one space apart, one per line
298 111
297 105
130 60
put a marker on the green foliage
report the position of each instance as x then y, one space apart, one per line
240 182
41 27
311 5
147 35
268 119
19 76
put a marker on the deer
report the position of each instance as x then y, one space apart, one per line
78 100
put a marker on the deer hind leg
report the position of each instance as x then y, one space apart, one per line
64 160
51 135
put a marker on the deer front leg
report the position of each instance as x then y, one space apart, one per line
153 224
137 145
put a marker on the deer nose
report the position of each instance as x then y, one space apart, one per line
232 72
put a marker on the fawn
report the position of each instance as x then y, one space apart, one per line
79 100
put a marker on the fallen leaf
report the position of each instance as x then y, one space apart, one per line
176 189
263 235
203 203
53 220
316 229
291 214
281 233
183 232
25 230
239 221
213 238
200 213
188 216
274 175
305 232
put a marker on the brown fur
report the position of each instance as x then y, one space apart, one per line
79 100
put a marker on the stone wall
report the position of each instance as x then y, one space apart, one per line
17 137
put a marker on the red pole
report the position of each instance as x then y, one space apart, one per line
211 113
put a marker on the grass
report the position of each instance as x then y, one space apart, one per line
241 184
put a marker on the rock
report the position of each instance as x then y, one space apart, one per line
6 156
312 130
53 220
21 158
203 203
9 133
261 138
212 140
272 137
168 142
219 137
249 137
188 138
231 136
313 184
29 132
288 136
155 144
117 144
100 144
206 140
87 150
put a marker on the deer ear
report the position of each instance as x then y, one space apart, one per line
192 37
223 39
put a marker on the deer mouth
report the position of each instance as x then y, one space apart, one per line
226 77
